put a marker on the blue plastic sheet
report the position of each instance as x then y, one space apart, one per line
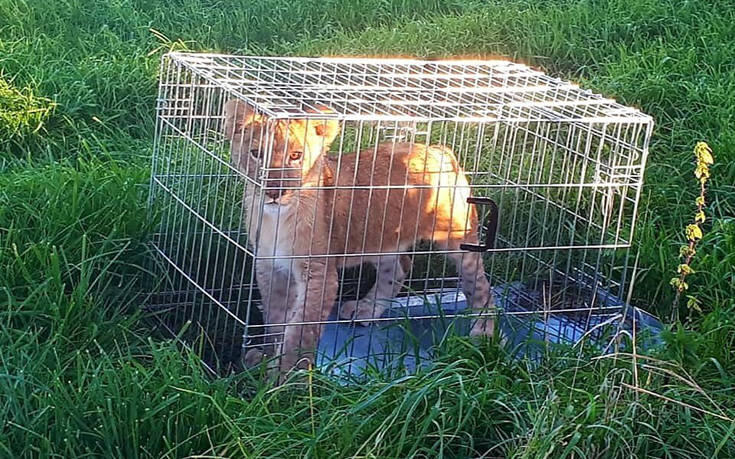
410 339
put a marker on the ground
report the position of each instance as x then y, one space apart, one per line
79 373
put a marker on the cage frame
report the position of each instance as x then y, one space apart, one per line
615 115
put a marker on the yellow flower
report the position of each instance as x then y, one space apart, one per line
703 153
693 232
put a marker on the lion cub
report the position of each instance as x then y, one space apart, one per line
319 214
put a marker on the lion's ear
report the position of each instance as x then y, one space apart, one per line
325 130
234 112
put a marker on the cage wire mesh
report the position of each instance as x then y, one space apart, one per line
352 211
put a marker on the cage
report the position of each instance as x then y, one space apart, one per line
353 212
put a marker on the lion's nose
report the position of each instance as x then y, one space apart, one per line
273 193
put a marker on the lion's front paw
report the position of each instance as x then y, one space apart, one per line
253 357
483 326
361 310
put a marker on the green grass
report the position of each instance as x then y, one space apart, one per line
79 375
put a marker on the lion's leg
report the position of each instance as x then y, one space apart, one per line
315 294
391 271
474 284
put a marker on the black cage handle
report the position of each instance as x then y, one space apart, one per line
492 226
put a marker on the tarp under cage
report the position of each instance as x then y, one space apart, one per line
414 329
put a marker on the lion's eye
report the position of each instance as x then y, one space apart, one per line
255 153
295 155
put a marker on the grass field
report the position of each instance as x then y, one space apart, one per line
80 375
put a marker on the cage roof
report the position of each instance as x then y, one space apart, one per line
404 89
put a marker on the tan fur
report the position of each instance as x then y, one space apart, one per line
319 205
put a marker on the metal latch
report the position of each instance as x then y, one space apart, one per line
491 225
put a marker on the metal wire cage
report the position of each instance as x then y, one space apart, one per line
298 199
